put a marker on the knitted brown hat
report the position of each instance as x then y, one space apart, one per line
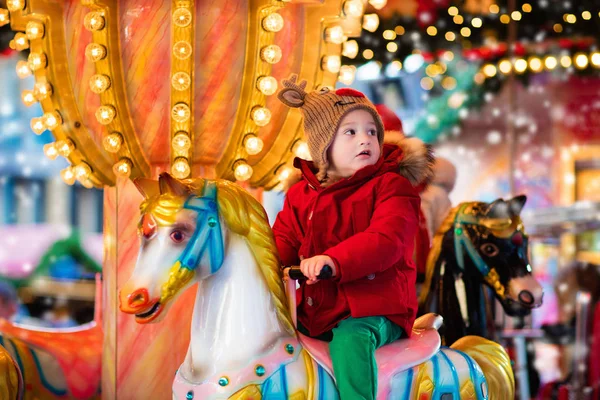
323 111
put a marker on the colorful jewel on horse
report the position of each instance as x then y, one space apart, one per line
244 343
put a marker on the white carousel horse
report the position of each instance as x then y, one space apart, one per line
244 344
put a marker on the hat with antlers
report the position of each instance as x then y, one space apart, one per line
323 112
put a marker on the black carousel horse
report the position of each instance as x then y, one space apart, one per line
480 249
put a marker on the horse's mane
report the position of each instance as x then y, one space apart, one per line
435 251
243 215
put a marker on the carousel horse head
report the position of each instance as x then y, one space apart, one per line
489 243
185 229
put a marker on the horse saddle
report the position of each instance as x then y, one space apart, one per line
394 357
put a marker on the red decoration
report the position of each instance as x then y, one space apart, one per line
349 92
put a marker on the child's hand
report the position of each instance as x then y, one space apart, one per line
311 267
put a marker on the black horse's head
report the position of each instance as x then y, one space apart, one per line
489 240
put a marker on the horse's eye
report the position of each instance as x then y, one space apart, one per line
177 236
489 249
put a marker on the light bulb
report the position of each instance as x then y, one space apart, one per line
182 50
535 64
181 81
581 60
520 65
350 49
20 41
123 167
37 61
283 172
68 176
113 142
82 171
87 183
181 142
267 85
300 149
65 147
242 170
331 64
50 151
52 120
28 98
42 90
370 22
550 62
335 35
182 17
505 66
273 22
378 4
353 8
105 114
595 59
261 116
99 83
93 21
37 125
489 70
271 54
181 112
15 5
34 30
180 168
253 144
95 52
476 22
4 17
565 61
347 73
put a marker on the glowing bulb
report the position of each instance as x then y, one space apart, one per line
335 35
505 66
450 36
557 28
87 183
4 17
389 34
520 65
392 47
581 61
353 8
505 19
52 120
182 17
300 149
113 142
273 22
267 85
99 83
34 30
106 114
494 9
180 168
449 83
95 52
20 41
565 61
367 54
15 5
586 15
42 90
332 64
399 30
181 81
347 73
123 167
37 125
181 142
261 116
283 172
465 31
453 11
397 65
253 144
271 54
458 19
65 147
378 4
68 176
432 30
28 98
476 22
93 21
242 170
595 59
181 112
516 15
570 18
535 64
350 49
550 62
82 171
427 83
37 61
370 22
50 151
526 7
182 50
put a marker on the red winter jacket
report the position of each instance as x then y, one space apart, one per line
367 225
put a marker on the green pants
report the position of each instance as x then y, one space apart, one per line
353 354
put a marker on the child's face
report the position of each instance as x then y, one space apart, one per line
355 144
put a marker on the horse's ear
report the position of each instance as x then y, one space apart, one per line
498 209
517 203
170 185
147 187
